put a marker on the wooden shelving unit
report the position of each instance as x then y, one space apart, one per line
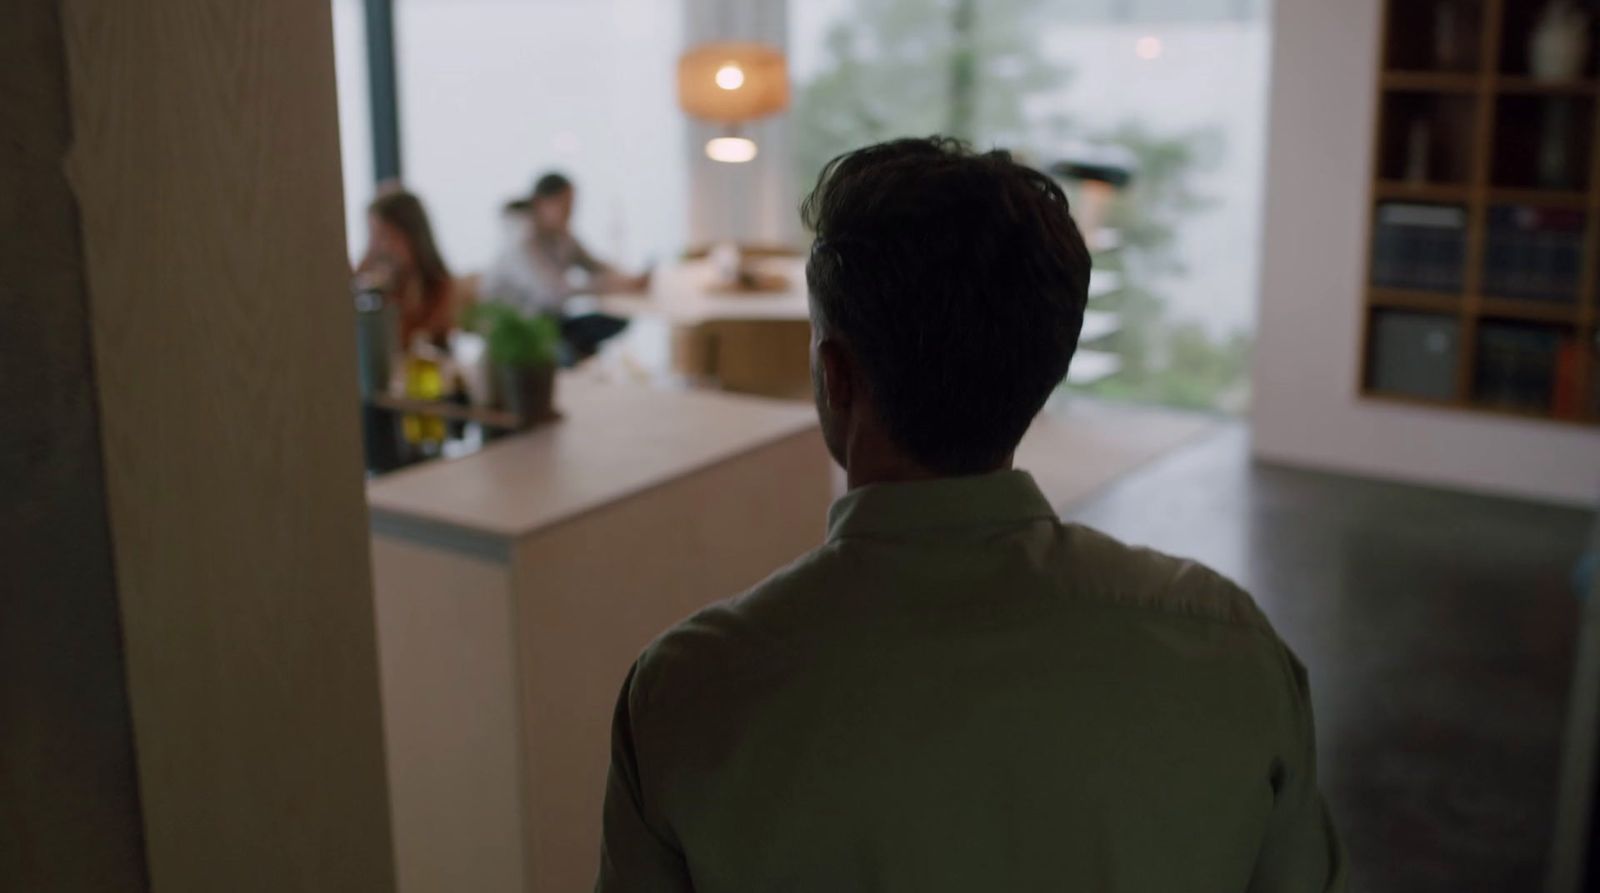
1484 270
1539 198
1528 86
1414 299
1530 311
1402 190
1431 81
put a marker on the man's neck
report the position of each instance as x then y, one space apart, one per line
855 480
867 474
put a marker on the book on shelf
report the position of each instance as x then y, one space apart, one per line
1516 366
1534 254
1419 246
1414 354
1566 401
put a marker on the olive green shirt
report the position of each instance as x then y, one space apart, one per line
959 692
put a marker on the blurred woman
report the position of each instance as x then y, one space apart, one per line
403 261
532 272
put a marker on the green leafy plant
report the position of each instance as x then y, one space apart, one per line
514 339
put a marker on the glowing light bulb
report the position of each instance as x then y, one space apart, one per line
731 149
1148 47
730 77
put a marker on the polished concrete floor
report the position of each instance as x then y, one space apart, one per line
1437 628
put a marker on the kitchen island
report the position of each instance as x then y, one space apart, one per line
514 588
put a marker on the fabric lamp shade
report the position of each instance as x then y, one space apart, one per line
730 82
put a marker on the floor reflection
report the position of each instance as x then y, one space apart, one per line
1438 629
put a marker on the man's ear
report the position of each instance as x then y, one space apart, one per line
838 375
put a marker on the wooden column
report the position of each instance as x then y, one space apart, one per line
197 165
69 805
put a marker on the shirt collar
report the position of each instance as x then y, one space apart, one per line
944 504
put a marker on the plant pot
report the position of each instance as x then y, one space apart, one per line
528 392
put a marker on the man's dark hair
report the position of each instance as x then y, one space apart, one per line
958 281
551 184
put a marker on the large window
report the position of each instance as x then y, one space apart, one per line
355 121
493 92
1174 90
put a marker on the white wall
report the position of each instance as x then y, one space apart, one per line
495 92
1306 410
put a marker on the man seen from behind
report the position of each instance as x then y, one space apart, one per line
956 691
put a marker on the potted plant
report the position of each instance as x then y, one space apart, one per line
523 352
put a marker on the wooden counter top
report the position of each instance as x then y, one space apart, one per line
685 294
614 441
